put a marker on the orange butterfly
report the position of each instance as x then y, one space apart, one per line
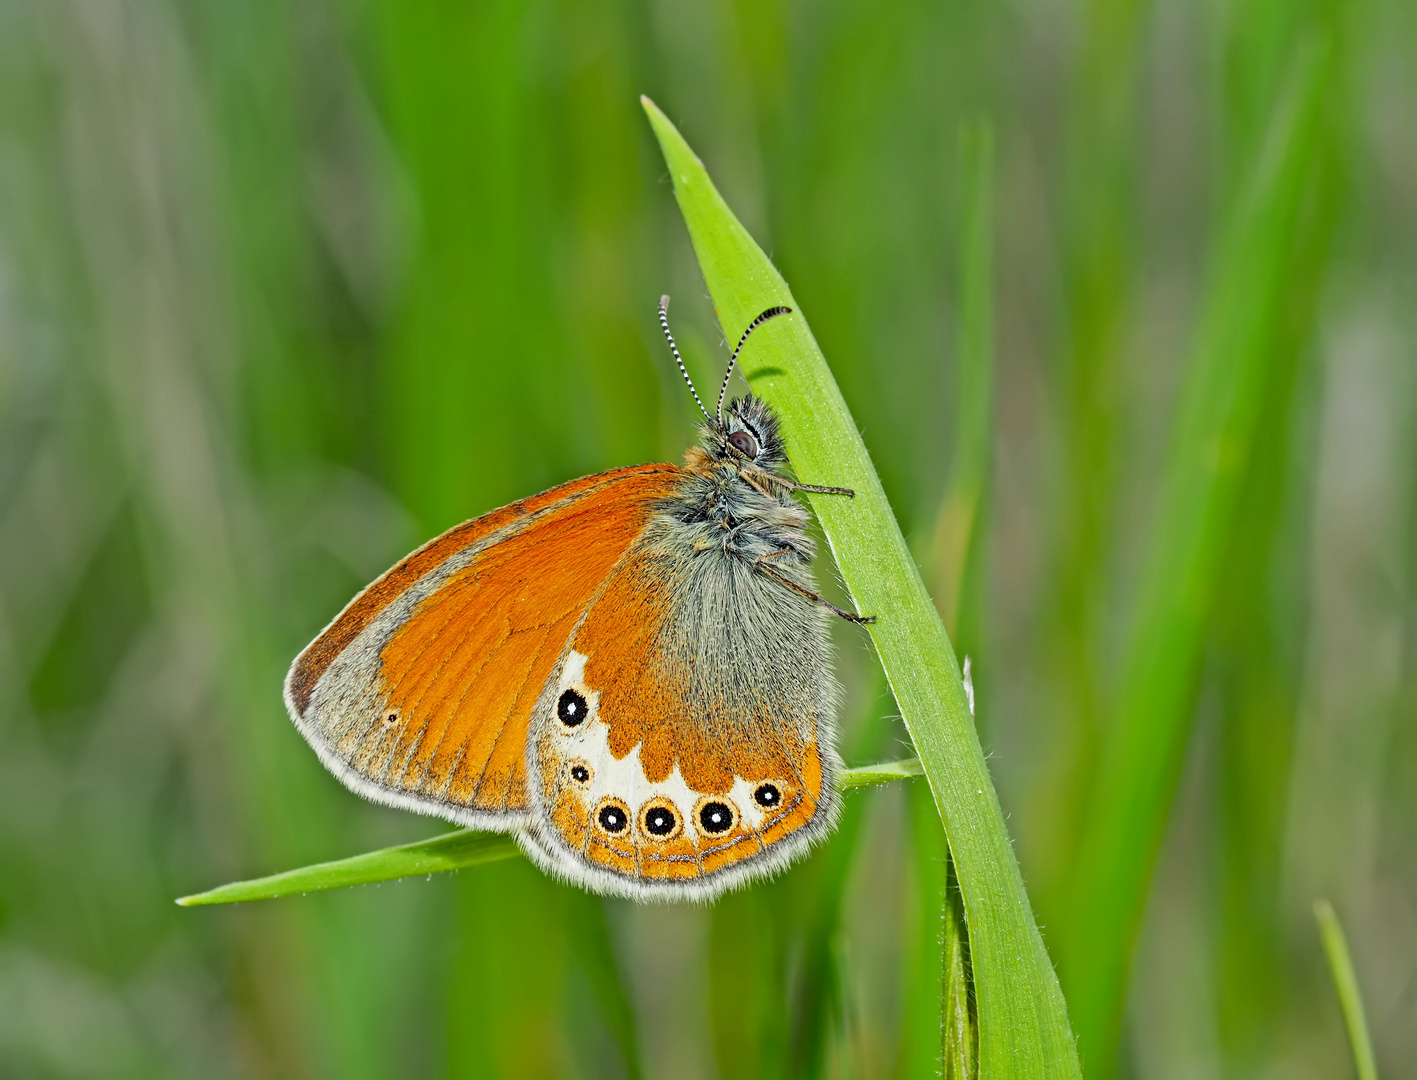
629 672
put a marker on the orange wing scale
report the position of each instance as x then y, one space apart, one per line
459 677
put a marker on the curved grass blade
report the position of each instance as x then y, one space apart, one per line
452 851
1023 1025
1345 985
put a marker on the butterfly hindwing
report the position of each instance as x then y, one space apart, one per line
420 692
695 751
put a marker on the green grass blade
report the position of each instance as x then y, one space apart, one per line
1230 374
925 993
451 851
1023 1020
886 772
1345 985
960 1024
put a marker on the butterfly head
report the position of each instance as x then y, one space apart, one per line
749 434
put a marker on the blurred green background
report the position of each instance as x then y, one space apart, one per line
287 288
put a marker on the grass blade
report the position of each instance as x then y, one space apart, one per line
961 1035
887 772
1023 1020
451 851
1345 985
1229 376
457 850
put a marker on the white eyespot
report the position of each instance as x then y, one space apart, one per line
572 708
574 705
612 816
768 795
715 815
661 820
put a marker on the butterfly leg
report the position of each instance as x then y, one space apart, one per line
762 478
819 489
762 564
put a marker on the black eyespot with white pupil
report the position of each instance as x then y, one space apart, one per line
571 709
612 818
660 821
715 817
744 443
580 774
767 795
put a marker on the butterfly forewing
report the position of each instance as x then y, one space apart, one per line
420 692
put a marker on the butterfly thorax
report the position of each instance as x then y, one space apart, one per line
734 499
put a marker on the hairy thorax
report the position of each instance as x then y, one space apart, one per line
723 508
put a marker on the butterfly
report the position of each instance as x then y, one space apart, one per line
630 672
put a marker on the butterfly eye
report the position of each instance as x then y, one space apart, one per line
767 795
571 709
715 817
612 816
744 443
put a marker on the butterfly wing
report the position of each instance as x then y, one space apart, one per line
701 756
420 692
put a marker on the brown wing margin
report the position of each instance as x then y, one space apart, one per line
441 717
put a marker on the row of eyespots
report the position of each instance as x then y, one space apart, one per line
659 818
572 710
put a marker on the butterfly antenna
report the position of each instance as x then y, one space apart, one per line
770 313
664 325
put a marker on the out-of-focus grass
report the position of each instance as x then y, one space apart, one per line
1236 369
960 549
284 289
1345 986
